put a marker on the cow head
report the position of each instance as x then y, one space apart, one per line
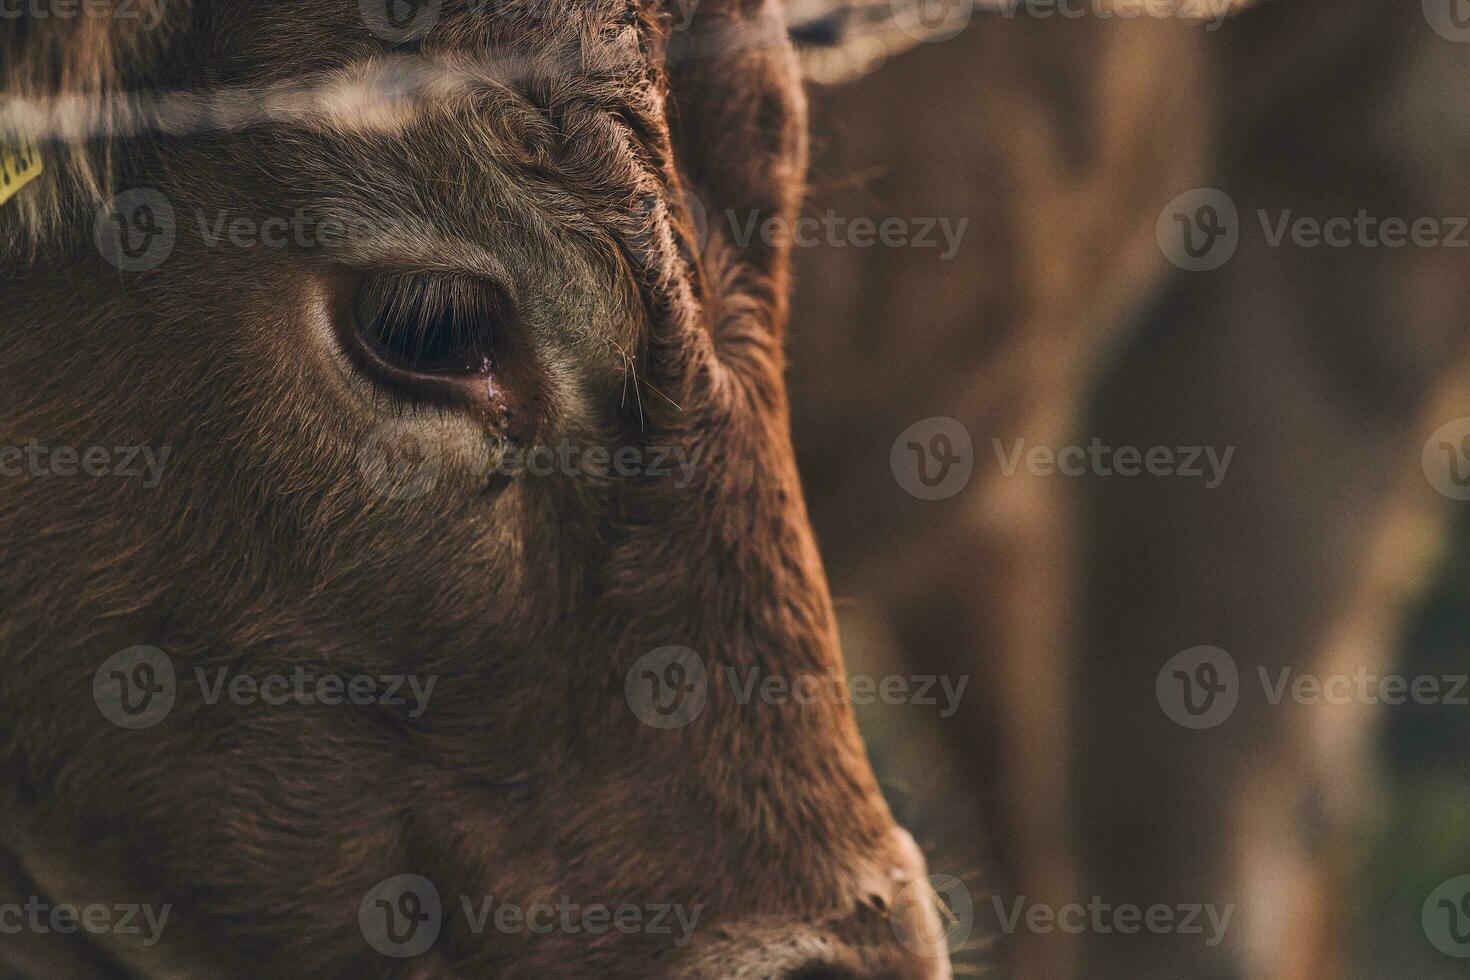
350 351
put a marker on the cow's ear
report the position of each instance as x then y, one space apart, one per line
739 120
67 85
735 110
844 39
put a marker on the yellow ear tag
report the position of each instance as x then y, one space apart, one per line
18 167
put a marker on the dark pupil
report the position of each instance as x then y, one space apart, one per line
429 341
428 329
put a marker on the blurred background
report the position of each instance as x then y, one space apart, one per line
1168 230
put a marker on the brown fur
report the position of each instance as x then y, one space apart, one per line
262 548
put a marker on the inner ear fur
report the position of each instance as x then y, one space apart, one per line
739 125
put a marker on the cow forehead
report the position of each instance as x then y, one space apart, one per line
579 41
533 75
505 123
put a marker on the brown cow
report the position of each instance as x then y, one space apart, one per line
1060 320
277 254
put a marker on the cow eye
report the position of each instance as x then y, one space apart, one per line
425 335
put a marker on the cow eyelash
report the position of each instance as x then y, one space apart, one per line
428 339
431 324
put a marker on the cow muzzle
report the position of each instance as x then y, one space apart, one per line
893 930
